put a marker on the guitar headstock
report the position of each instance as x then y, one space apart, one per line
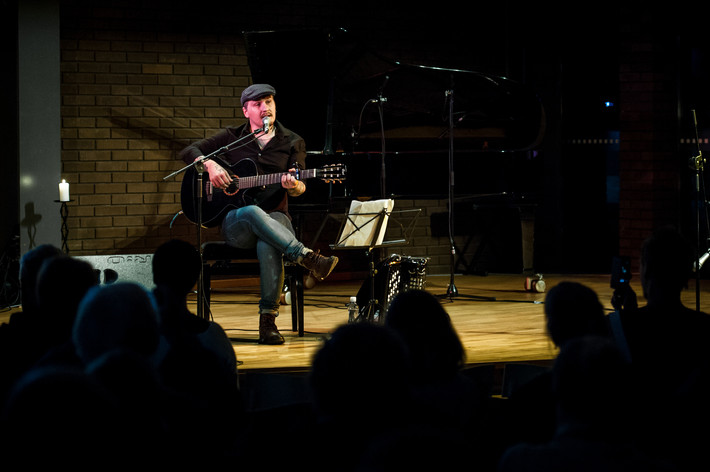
332 173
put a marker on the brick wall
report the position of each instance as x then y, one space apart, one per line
140 82
132 100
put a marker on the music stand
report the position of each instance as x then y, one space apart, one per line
364 227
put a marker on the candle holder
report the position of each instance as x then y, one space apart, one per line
64 212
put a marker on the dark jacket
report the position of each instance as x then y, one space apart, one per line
286 150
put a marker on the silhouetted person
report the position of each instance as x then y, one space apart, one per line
18 347
664 333
200 364
360 384
176 269
446 397
117 339
592 386
572 310
61 285
669 350
425 326
118 316
30 265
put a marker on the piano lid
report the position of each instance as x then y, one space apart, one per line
423 105
331 90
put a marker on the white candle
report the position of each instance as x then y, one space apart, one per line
64 191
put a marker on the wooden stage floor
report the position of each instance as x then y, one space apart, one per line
508 329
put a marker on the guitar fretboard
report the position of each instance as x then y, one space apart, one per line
268 179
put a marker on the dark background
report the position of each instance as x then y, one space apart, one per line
571 60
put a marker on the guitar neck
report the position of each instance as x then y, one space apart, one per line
268 179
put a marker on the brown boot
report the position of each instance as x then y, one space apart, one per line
268 332
320 266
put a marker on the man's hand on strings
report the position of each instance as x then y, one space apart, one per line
219 177
293 186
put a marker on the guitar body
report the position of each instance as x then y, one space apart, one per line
217 202
248 188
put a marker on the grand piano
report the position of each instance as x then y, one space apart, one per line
404 130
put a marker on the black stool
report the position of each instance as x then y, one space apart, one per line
219 258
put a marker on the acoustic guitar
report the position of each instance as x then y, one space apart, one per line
248 187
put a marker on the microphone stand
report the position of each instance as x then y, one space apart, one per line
380 100
452 291
198 165
697 164
383 178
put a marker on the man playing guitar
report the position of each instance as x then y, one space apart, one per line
263 223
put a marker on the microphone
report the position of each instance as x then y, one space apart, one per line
696 162
266 124
697 265
382 87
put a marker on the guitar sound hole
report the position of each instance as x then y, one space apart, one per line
232 189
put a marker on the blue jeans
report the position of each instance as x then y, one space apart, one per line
274 237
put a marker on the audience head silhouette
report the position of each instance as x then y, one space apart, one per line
121 315
573 310
30 265
176 264
425 326
360 375
666 265
62 282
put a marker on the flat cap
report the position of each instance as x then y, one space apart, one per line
257 91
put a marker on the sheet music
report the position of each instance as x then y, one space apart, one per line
362 222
